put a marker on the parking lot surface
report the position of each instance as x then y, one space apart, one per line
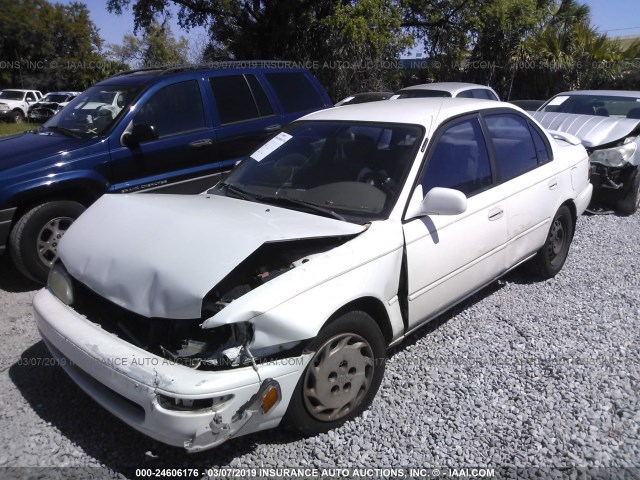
524 373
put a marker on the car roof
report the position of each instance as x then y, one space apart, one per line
409 111
62 93
154 75
451 87
611 93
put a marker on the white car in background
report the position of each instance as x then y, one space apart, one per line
608 124
49 105
274 295
447 89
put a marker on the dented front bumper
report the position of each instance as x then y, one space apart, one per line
134 384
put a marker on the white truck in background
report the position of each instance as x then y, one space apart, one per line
15 103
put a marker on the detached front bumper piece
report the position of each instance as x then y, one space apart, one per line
171 403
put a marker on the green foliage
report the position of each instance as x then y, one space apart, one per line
156 47
48 46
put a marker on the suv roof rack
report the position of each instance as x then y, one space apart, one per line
165 70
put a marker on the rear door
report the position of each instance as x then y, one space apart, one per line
244 115
450 256
529 179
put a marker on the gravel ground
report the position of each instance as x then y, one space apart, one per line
525 373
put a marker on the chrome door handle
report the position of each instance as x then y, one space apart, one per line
272 128
205 142
495 213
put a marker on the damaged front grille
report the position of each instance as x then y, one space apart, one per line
184 341
174 339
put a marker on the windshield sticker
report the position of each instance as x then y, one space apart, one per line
272 145
558 100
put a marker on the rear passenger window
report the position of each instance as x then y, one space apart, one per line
234 98
294 91
459 160
513 145
264 106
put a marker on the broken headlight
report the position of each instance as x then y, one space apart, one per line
220 347
616 156
60 284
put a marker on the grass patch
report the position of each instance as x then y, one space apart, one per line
13 128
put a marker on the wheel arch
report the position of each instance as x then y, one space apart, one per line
371 306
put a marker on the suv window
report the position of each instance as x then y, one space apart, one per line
173 109
295 91
237 101
31 96
512 143
460 160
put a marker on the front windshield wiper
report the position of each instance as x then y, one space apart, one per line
238 191
295 201
65 131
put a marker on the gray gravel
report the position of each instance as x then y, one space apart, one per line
525 373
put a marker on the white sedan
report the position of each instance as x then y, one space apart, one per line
273 296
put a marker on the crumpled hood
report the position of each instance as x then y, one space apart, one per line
591 130
159 255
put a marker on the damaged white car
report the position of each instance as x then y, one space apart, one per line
608 124
273 296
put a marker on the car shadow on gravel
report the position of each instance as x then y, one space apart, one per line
440 320
11 280
58 401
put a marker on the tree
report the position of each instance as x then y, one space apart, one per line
337 37
156 47
49 46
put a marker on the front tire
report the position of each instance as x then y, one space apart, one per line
17 117
551 257
631 201
35 236
343 376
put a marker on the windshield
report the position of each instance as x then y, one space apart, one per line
11 95
54 98
423 94
600 105
351 171
95 110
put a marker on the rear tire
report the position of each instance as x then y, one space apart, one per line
34 238
551 257
631 201
343 376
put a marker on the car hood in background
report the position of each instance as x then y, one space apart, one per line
592 130
159 255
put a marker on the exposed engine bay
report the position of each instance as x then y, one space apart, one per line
184 341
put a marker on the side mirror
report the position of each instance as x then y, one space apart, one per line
139 134
438 201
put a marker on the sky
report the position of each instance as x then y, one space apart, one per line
614 17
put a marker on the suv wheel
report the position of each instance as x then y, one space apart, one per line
34 239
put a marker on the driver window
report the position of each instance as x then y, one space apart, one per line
173 110
31 97
459 160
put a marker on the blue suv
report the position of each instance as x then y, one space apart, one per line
173 130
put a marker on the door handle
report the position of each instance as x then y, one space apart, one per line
205 142
272 128
553 184
495 213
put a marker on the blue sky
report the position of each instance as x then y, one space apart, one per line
616 17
